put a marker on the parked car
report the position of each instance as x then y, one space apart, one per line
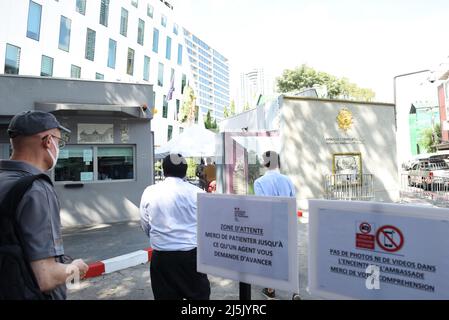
428 172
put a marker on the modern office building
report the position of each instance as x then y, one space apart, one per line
134 41
210 71
254 83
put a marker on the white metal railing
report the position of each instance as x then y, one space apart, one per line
349 187
434 189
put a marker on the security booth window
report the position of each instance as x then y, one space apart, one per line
90 163
5 150
115 163
75 164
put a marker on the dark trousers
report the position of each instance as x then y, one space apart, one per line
174 276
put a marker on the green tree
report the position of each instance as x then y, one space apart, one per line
191 168
430 137
305 77
210 122
232 109
229 112
188 111
226 112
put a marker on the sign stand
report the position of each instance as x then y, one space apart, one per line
249 239
245 291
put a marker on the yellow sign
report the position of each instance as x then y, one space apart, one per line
345 119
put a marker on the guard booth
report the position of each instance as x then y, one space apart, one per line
108 160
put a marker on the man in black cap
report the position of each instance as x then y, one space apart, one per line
36 140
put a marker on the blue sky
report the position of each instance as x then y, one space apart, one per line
367 41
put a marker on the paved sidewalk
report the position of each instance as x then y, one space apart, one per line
104 241
108 241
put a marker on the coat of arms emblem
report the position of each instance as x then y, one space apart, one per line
345 119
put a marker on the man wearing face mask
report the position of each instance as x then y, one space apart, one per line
36 139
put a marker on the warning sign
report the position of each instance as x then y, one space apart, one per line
399 252
390 238
365 238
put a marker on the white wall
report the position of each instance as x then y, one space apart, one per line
307 157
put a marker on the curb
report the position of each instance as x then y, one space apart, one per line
129 260
132 259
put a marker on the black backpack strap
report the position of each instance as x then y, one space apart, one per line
15 194
8 208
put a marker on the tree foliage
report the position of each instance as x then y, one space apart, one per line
305 77
188 111
229 112
431 137
210 123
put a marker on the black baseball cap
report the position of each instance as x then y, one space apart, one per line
29 123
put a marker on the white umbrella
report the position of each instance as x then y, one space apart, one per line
194 141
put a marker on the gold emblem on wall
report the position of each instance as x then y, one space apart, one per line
345 119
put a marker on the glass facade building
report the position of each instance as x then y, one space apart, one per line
118 41
210 71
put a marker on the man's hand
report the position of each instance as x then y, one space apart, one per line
82 267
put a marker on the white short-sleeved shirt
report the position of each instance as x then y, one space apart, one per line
274 184
168 215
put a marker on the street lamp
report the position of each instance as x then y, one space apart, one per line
394 88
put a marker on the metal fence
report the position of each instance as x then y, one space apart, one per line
435 191
349 187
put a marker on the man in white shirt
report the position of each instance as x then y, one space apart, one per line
273 184
168 218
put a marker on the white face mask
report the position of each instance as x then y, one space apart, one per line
53 158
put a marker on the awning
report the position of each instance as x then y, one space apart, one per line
71 109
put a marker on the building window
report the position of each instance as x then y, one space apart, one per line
104 12
124 22
146 68
155 40
164 21
34 20
5 151
90 45
181 130
141 32
178 104
12 59
154 100
99 76
168 49
72 164
150 10
79 163
175 29
46 66
180 54
81 6
160 76
75 72
183 83
165 107
130 63
64 33
112 53
135 3
115 163
169 133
